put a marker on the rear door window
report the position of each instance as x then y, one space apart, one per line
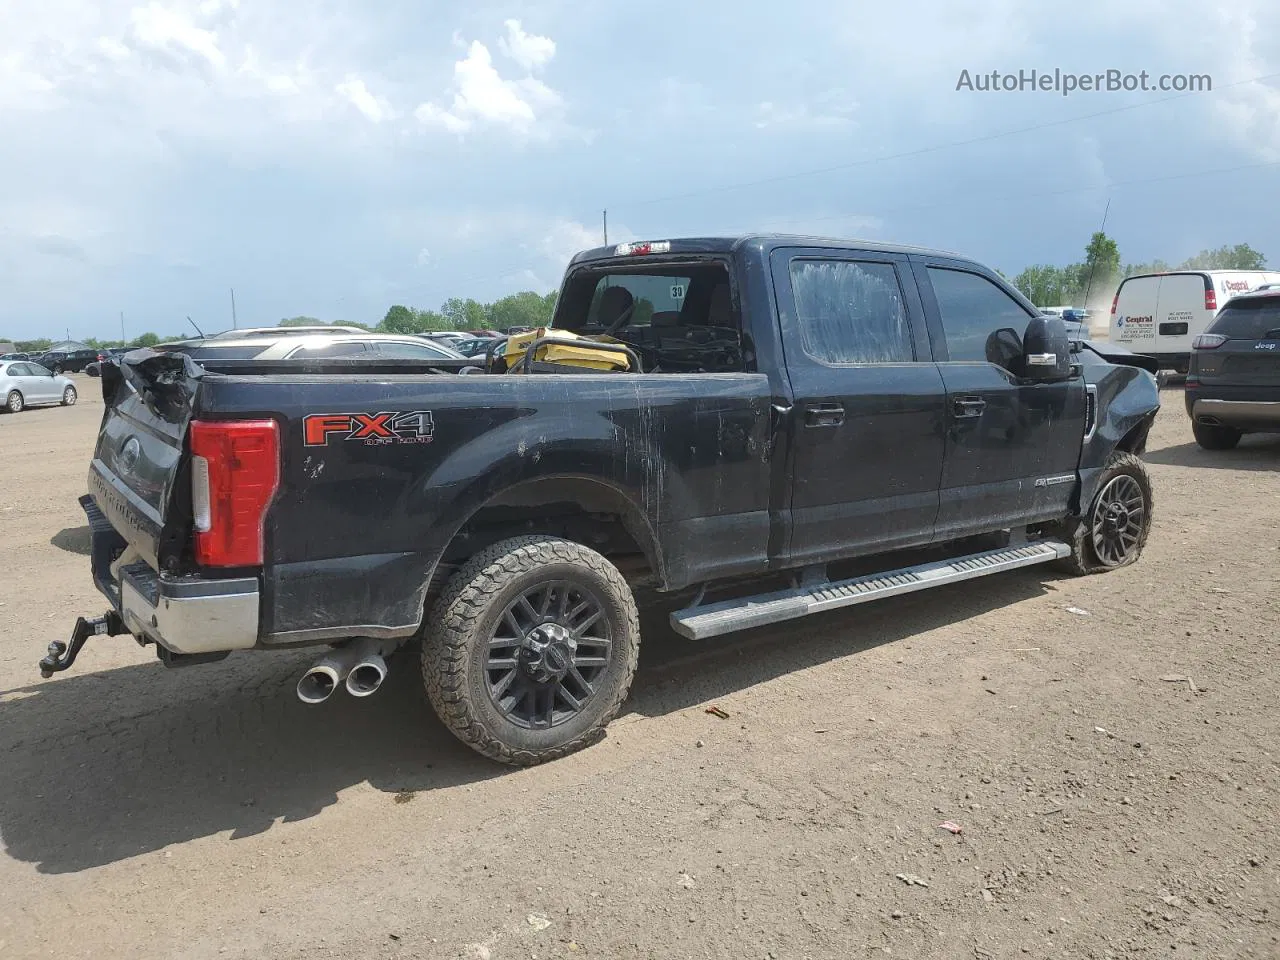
851 312
1249 320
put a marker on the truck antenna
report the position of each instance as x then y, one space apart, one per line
193 323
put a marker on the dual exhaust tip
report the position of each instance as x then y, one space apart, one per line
360 667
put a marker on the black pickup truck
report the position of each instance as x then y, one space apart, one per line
802 425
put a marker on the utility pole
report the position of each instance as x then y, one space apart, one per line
233 308
123 338
606 228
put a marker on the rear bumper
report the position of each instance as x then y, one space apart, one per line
1245 414
185 615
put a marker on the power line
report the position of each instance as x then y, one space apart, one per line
967 198
935 148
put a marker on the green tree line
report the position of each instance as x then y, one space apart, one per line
1096 277
524 309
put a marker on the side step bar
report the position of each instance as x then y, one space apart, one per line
715 619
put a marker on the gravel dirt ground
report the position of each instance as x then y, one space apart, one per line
1107 810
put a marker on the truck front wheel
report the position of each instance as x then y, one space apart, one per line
1114 530
531 649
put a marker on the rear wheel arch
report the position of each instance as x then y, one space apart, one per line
581 509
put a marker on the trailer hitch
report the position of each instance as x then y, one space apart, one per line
63 655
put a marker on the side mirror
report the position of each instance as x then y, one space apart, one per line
1046 350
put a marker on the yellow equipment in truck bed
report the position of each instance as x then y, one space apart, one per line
575 354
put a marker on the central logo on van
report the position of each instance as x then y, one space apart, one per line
1132 320
1237 286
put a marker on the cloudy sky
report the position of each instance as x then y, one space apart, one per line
331 158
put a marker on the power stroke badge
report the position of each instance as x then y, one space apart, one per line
371 429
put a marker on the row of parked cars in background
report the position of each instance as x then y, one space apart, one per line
39 379
278 343
65 361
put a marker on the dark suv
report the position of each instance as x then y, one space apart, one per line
73 362
1233 384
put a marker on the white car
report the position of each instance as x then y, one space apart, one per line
247 332
24 383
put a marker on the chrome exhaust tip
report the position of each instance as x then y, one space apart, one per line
318 684
366 676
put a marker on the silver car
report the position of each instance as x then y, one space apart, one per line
369 346
27 384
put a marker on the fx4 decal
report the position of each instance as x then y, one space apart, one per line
371 429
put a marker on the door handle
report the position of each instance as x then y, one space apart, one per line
824 415
968 408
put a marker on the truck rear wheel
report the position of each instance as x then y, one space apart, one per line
1114 529
531 649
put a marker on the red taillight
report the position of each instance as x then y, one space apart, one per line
1211 300
1115 302
235 471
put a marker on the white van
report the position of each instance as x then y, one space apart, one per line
1159 314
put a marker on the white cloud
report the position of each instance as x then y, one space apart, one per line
527 280
1250 113
113 49
562 238
21 87
829 112
357 94
166 31
482 97
528 50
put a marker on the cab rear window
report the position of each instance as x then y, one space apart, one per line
1255 319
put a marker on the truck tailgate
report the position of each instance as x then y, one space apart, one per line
139 452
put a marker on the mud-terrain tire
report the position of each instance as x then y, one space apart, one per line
1114 530
509 651
1215 438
